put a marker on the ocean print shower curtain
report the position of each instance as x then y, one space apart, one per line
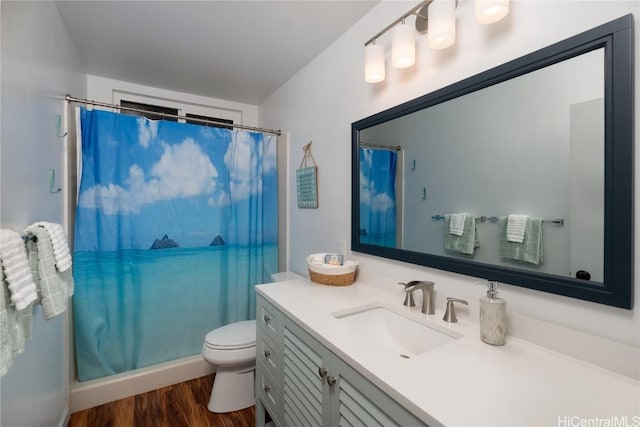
175 224
378 196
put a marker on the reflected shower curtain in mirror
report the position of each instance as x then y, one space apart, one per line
378 196
175 224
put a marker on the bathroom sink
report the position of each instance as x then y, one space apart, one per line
376 328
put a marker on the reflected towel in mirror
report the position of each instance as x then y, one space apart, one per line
456 225
468 241
530 250
515 227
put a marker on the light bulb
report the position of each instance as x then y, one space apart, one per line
374 67
490 11
403 48
441 17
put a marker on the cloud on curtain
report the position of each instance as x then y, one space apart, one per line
182 171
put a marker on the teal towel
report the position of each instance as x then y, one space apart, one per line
530 250
466 243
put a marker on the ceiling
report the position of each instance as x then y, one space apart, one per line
235 50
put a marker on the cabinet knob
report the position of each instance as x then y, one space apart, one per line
266 318
331 381
267 353
267 388
322 372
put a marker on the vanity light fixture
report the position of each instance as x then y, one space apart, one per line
403 46
434 17
374 69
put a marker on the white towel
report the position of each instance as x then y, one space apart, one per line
59 242
456 225
6 326
55 287
15 327
515 228
13 257
316 258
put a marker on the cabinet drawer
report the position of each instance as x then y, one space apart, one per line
269 391
270 355
269 319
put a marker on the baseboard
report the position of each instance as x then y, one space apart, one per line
89 394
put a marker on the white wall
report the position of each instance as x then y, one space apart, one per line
39 65
322 100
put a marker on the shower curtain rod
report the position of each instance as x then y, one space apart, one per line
70 98
384 147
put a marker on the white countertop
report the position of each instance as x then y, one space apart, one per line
465 382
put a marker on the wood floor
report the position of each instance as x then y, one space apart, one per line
180 405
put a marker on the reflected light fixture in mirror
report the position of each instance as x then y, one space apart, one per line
442 16
374 70
490 11
403 47
434 17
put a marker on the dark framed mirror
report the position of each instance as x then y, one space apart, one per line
548 136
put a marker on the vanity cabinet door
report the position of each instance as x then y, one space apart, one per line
357 402
306 398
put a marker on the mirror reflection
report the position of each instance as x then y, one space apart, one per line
531 146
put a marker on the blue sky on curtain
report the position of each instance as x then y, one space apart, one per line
175 225
378 196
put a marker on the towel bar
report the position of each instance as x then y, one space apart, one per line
559 221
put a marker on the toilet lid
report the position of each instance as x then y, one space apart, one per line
233 336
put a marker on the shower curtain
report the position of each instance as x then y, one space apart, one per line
378 196
175 224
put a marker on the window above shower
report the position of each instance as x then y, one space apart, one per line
163 111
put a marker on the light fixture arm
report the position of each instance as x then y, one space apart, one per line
399 20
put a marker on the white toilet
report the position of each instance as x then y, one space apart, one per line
232 349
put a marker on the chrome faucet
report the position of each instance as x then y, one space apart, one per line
427 295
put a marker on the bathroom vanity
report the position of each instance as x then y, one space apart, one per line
353 355
301 382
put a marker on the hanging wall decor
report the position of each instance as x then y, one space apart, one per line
307 180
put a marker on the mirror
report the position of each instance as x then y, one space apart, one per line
536 136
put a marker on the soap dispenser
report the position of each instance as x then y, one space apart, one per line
493 317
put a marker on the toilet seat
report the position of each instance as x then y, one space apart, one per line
234 336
